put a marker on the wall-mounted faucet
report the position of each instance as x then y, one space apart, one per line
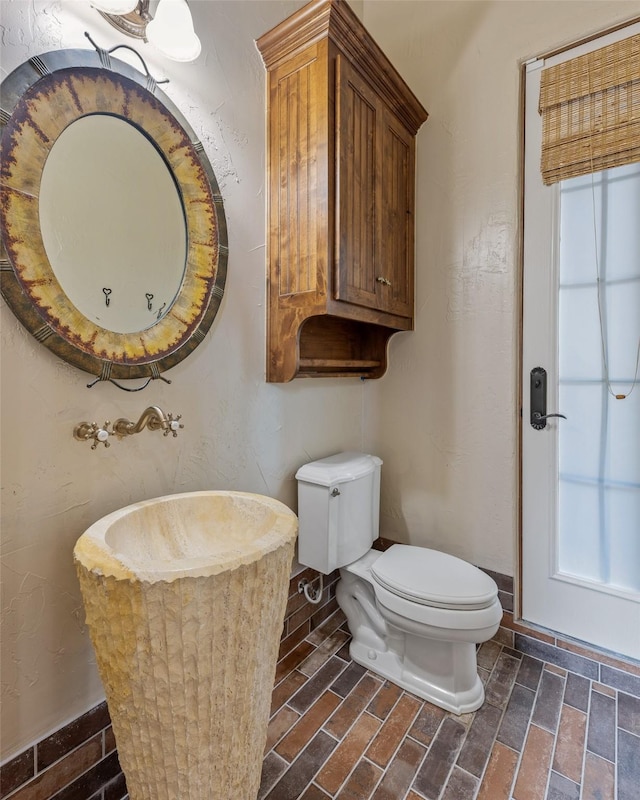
152 418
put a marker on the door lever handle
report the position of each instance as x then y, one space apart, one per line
538 396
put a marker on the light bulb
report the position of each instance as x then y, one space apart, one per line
115 6
171 31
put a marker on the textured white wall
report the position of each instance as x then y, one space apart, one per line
240 432
444 417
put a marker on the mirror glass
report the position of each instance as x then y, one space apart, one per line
112 223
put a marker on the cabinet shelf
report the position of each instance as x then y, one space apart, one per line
337 368
337 363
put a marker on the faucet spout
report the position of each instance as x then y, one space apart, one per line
152 418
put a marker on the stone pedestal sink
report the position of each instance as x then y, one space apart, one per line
185 598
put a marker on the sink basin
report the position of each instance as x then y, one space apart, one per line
192 534
185 598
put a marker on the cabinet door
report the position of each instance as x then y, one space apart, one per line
297 167
374 199
396 190
358 111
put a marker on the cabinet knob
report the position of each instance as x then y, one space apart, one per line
385 281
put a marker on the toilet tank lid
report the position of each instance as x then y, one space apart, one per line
339 468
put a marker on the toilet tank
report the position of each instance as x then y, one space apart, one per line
338 509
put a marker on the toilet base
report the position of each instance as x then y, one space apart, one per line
436 664
389 665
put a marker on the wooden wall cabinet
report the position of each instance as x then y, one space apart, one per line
341 186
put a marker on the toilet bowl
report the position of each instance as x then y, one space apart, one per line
425 644
415 615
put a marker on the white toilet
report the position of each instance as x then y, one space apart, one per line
415 615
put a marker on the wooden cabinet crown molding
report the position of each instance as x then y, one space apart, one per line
335 20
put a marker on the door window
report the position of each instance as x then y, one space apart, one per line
598 344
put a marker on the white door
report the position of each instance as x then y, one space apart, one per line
581 475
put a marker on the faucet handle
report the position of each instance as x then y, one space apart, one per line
174 424
85 431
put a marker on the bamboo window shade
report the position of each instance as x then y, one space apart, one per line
590 108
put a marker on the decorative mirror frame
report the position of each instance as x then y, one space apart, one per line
41 98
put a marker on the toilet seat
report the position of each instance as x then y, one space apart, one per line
435 579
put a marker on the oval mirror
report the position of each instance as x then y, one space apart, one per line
114 243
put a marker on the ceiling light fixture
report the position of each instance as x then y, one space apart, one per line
170 30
